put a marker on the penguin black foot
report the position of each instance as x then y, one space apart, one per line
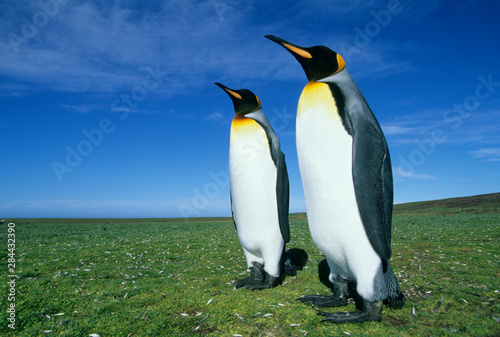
372 312
337 299
259 279
323 301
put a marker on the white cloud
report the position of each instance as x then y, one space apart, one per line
403 172
490 154
81 108
103 46
216 116
89 47
478 128
398 129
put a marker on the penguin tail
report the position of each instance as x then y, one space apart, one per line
295 259
395 298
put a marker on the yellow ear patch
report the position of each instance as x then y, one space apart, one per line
298 51
340 62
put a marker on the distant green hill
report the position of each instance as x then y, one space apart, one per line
484 203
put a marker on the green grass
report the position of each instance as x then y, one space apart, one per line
159 277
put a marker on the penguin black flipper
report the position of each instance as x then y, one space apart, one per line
371 167
282 193
282 183
232 209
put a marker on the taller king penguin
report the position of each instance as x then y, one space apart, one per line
347 178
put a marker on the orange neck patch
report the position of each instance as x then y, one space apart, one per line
243 127
243 124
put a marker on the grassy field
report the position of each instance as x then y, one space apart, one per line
153 277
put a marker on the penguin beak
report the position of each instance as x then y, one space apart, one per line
318 62
230 92
244 100
292 48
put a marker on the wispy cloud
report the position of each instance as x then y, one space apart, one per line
408 132
478 127
216 116
489 154
405 173
90 47
101 47
394 129
80 108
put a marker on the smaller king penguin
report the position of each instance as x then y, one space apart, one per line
347 178
259 191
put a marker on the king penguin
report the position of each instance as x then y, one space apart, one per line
347 179
259 191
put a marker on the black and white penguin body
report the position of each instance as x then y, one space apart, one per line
347 179
259 191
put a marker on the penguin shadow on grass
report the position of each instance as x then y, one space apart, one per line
292 260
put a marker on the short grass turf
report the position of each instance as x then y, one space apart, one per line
174 278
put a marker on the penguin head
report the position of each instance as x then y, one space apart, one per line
244 100
318 62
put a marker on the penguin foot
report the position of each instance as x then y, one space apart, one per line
323 301
259 279
372 312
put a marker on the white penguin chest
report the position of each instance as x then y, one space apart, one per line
250 158
253 176
324 151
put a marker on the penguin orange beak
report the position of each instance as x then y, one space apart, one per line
229 91
244 100
293 48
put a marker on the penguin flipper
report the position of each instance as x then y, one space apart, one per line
232 209
283 196
372 175
371 166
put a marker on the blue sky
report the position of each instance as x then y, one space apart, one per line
108 109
